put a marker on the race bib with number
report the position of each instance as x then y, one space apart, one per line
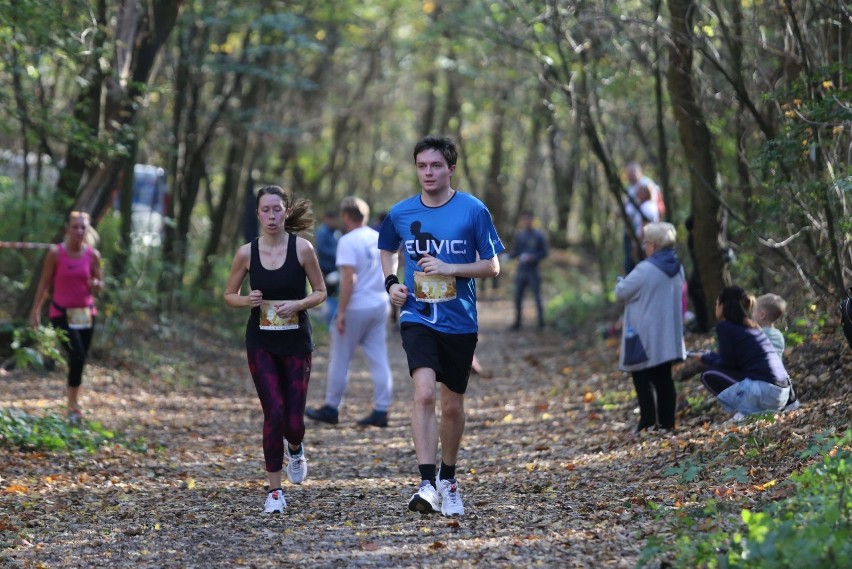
434 288
269 320
79 318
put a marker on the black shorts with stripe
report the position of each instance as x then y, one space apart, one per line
450 355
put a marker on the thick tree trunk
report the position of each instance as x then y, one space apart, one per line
697 144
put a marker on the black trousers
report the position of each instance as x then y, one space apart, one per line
655 391
76 347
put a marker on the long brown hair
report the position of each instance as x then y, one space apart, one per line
737 306
300 215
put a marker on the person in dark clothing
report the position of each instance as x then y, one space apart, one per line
279 341
694 287
327 235
747 374
529 248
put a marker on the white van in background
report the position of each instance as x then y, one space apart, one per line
150 204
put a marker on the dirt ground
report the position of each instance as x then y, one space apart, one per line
548 472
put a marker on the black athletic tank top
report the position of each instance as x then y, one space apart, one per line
286 283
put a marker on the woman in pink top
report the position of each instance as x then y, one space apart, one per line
72 272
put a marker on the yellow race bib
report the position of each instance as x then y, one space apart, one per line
79 318
434 288
269 320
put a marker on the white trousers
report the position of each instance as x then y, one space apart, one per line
368 329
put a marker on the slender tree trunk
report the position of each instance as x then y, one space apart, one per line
493 192
659 102
230 190
118 265
532 162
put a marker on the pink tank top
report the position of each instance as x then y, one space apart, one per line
71 281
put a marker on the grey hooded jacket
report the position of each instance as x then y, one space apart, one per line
652 294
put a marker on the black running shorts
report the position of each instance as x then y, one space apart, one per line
450 355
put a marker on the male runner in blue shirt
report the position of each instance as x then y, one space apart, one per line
449 241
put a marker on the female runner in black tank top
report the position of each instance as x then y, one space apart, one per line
278 333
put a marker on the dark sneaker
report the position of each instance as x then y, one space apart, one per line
425 500
375 419
326 414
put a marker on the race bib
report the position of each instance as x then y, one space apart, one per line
79 318
269 320
434 288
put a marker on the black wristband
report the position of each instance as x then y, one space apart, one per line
390 281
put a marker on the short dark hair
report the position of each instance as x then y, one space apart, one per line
444 145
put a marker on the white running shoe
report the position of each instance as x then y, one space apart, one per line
425 500
297 468
275 502
451 502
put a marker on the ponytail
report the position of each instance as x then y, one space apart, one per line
300 215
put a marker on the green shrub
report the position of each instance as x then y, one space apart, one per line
52 432
37 348
811 528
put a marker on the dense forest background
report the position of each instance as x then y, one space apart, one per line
740 111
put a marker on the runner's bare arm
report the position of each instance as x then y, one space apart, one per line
239 269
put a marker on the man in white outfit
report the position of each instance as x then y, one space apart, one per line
362 316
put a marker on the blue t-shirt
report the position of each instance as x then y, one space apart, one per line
460 231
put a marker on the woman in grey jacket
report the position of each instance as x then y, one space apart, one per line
653 309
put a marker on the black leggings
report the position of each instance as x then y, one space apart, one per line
653 409
77 348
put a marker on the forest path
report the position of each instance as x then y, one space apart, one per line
547 471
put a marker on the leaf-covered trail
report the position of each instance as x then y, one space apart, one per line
547 472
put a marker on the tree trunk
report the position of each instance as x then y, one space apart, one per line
697 144
134 62
532 162
492 194
662 144
237 152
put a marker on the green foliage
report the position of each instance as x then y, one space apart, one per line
573 308
811 527
51 432
807 176
687 471
37 348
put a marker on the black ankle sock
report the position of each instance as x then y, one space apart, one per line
427 472
447 472
296 452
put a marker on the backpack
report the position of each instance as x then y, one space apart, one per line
846 315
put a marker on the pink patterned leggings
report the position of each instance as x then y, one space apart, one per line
282 386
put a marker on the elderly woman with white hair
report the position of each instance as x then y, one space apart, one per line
652 326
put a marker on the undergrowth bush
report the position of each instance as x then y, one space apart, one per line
37 348
51 432
811 527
